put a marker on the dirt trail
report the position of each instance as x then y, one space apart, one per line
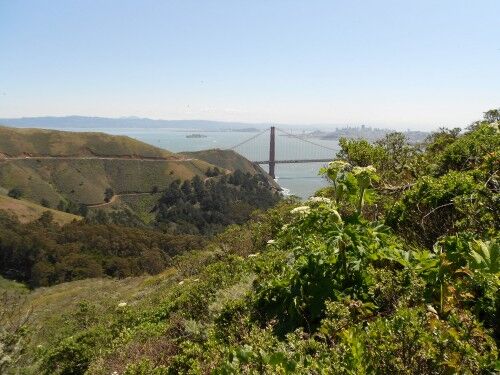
114 197
8 158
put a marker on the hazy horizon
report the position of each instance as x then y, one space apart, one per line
24 121
391 64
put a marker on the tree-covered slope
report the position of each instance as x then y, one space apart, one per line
207 206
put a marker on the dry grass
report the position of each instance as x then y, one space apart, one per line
15 142
84 181
27 211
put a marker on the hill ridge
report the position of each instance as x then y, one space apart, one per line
32 141
70 169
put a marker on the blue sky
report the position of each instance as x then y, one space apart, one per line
418 64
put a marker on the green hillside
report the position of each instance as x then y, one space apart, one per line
85 180
230 160
76 168
226 159
74 174
20 142
394 268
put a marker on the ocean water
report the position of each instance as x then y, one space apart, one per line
295 179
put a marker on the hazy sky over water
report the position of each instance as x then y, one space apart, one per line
418 64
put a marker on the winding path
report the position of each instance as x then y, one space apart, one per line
151 159
4 158
114 197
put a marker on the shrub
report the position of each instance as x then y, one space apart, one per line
108 194
431 208
15 193
72 356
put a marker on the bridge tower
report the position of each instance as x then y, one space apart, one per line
272 150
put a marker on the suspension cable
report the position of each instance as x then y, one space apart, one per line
306 140
248 140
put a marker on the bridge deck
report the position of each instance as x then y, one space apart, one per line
292 161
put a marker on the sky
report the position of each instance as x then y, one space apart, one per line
402 64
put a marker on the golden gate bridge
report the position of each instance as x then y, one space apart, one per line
314 152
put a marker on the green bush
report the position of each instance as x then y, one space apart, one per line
72 356
15 193
434 207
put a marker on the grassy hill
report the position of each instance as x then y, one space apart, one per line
85 180
19 142
228 159
76 168
27 211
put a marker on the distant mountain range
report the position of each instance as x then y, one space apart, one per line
82 122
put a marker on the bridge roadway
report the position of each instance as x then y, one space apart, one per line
293 161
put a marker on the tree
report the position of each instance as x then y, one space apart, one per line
360 152
186 189
198 187
172 195
46 219
61 206
101 217
15 193
108 194
492 115
83 210
72 208
398 152
207 206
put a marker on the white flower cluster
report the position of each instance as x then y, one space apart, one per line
495 125
338 164
270 242
122 304
369 169
301 210
320 200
